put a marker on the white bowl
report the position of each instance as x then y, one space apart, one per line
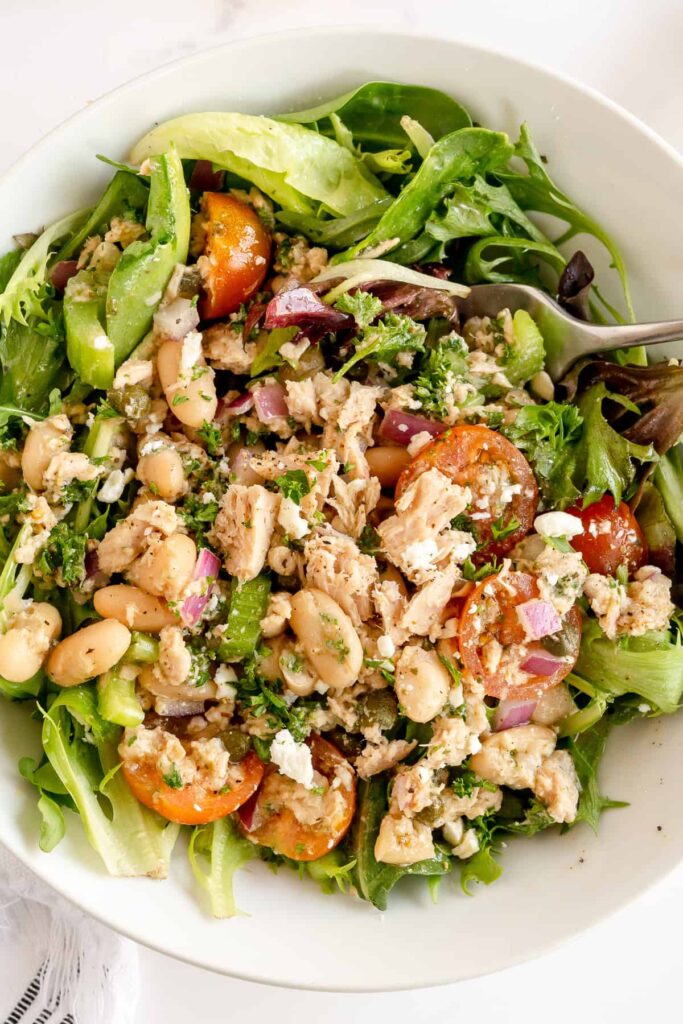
552 887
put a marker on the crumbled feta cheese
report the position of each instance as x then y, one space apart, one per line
421 554
224 674
386 647
293 759
644 709
191 351
558 524
112 488
418 442
291 520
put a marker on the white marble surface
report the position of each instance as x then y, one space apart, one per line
58 56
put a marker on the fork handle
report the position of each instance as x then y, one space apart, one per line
603 339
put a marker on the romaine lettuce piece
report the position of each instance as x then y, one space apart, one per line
226 850
292 164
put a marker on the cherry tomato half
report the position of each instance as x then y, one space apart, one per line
611 537
487 463
270 821
490 614
236 254
193 804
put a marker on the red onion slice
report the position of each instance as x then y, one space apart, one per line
247 812
269 403
301 307
511 713
254 315
538 618
62 272
401 427
240 405
205 179
207 568
175 321
541 663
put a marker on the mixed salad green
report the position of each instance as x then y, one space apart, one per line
295 559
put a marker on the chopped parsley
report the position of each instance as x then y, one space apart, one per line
63 557
465 783
294 485
364 307
441 367
173 778
210 434
389 341
500 529
369 542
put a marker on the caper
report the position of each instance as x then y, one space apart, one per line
132 401
379 707
236 742
431 814
349 745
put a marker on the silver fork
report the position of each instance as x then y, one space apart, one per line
566 338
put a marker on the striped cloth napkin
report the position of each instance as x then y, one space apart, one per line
84 973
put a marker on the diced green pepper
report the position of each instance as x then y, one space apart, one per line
141 275
248 603
116 700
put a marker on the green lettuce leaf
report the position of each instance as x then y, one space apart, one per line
650 666
374 881
587 751
373 113
297 167
225 850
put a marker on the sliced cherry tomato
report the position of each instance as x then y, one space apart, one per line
236 254
611 537
490 615
487 463
270 820
193 804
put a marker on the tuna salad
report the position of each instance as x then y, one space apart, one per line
300 561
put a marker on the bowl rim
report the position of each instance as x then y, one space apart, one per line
289 35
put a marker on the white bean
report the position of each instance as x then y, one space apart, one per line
166 569
190 395
134 608
88 653
422 683
327 637
162 471
42 442
24 647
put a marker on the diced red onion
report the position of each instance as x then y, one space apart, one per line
541 663
170 708
175 321
539 618
511 713
207 567
62 272
301 307
91 563
240 405
247 812
401 427
205 179
255 313
269 403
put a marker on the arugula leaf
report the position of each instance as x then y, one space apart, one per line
603 458
587 750
537 191
335 232
385 341
455 157
669 483
373 880
468 211
500 259
481 867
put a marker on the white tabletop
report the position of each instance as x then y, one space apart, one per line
58 56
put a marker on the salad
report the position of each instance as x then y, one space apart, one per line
299 560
